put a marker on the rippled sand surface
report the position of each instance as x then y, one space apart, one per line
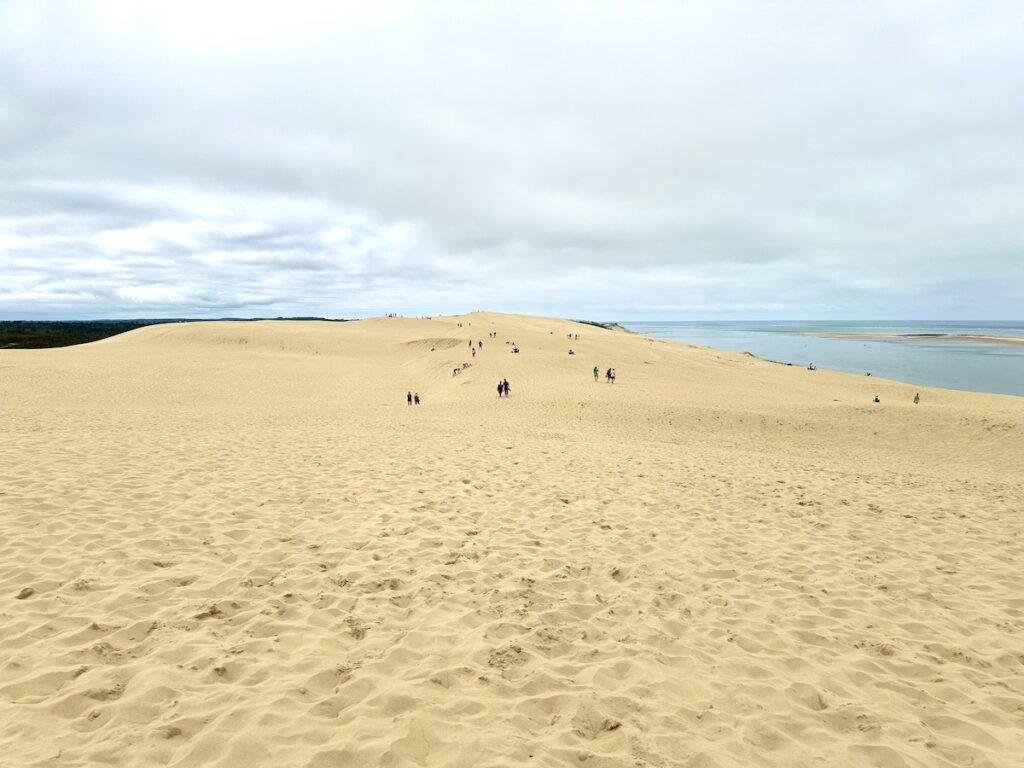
234 544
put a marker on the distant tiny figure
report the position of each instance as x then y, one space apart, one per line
479 344
613 375
501 388
608 376
474 351
471 343
416 398
571 352
867 374
876 399
408 398
515 350
504 386
455 371
596 372
917 398
811 367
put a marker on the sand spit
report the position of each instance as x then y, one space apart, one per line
966 338
236 545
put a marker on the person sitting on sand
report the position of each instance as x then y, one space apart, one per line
917 398
876 400
571 352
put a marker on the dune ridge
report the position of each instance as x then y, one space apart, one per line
235 545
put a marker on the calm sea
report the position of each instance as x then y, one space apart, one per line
937 361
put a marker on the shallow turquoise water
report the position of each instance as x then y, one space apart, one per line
980 367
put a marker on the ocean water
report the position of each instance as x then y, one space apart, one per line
928 354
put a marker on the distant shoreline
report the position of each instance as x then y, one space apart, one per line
966 338
606 326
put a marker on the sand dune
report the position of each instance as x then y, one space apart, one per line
234 544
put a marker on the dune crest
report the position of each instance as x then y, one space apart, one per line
235 545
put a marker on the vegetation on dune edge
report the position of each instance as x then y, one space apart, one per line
45 334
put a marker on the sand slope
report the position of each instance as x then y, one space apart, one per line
233 544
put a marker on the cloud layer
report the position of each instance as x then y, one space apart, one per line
706 159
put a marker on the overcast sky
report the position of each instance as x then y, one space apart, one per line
687 160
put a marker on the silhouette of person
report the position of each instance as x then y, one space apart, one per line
408 398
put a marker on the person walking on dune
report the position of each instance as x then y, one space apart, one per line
501 388
416 398
408 398
597 372
505 387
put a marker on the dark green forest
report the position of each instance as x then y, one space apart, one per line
39 334
42 334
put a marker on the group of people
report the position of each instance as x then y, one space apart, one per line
917 398
504 390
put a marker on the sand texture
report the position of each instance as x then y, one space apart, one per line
234 544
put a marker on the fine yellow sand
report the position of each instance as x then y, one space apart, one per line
234 544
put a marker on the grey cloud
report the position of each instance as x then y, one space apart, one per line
699 158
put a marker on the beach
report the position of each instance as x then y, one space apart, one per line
235 545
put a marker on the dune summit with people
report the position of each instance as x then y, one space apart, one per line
235 544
